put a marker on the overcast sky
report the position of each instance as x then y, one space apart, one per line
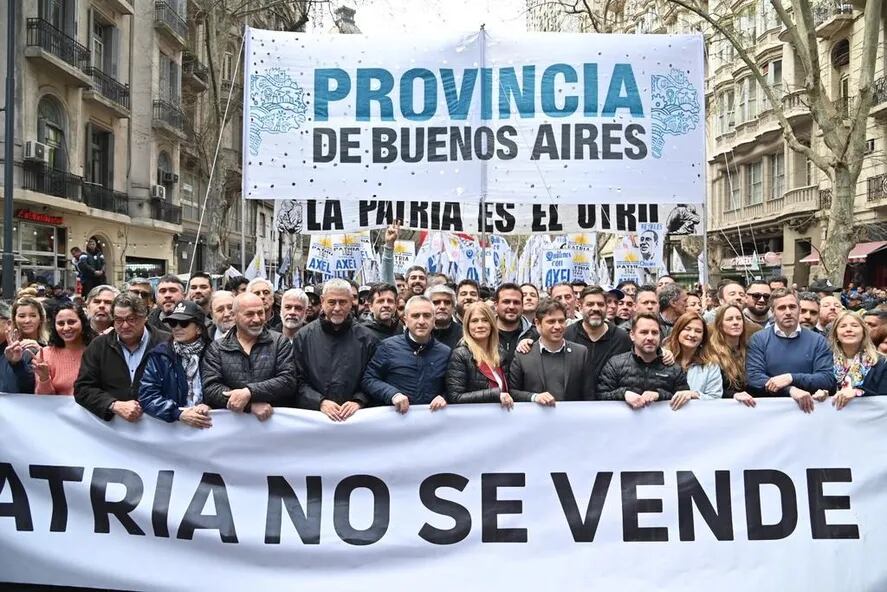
430 16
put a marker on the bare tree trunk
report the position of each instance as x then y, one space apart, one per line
841 235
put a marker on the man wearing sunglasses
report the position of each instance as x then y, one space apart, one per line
113 363
757 302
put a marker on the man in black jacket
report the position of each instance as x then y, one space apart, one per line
601 338
112 365
446 329
331 354
640 377
383 322
170 291
555 369
251 368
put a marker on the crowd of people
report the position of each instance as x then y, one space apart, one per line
177 351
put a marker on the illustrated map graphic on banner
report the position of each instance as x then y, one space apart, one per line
529 117
428 501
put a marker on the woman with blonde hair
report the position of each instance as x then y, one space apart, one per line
728 344
29 323
688 341
475 373
856 357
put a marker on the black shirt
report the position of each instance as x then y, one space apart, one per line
612 343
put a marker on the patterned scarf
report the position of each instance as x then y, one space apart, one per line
190 354
853 371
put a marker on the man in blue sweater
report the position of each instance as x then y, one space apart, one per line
410 368
787 360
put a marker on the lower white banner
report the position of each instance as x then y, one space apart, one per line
580 497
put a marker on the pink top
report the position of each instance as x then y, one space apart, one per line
64 365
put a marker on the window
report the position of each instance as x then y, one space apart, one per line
165 173
726 112
169 80
51 131
748 24
228 65
767 17
187 200
773 73
732 190
755 182
777 174
747 99
810 172
261 228
99 157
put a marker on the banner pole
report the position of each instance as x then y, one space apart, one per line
483 177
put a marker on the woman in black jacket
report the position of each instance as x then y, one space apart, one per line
475 373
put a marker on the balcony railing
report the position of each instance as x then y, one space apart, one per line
879 91
42 34
102 198
192 66
167 15
108 87
826 10
166 212
846 106
42 179
877 188
170 114
791 202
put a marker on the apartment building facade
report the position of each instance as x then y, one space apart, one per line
101 135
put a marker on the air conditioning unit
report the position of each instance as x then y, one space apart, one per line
35 151
170 178
158 192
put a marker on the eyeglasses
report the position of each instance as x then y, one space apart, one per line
177 323
131 320
757 296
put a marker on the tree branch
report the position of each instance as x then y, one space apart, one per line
855 146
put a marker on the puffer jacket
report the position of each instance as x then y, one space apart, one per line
330 362
16 378
268 371
400 365
466 383
164 387
628 372
382 331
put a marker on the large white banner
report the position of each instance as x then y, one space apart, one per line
531 118
585 496
327 216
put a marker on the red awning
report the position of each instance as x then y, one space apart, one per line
862 250
812 258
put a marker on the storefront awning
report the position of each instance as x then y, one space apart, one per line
862 250
857 254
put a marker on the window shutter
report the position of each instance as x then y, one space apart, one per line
41 130
87 162
71 18
109 182
114 51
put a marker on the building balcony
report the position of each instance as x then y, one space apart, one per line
879 98
877 189
60 52
194 74
846 106
108 93
121 6
169 118
170 23
795 201
234 89
795 106
103 198
830 18
163 211
42 179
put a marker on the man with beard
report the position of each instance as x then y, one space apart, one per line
249 370
170 291
200 292
383 322
601 338
265 291
510 322
467 292
313 310
829 308
729 292
672 304
417 281
640 377
757 303
555 369
331 355
809 310
293 307
222 308
624 311
98 307
446 330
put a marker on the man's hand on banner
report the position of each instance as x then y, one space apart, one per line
802 398
238 399
650 397
197 417
438 403
401 402
681 398
634 400
348 409
545 399
261 410
331 409
129 410
506 401
744 398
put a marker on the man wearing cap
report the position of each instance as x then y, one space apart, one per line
112 364
601 337
251 368
16 373
313 309
383 321
612 297
363 313
446 329
331 355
